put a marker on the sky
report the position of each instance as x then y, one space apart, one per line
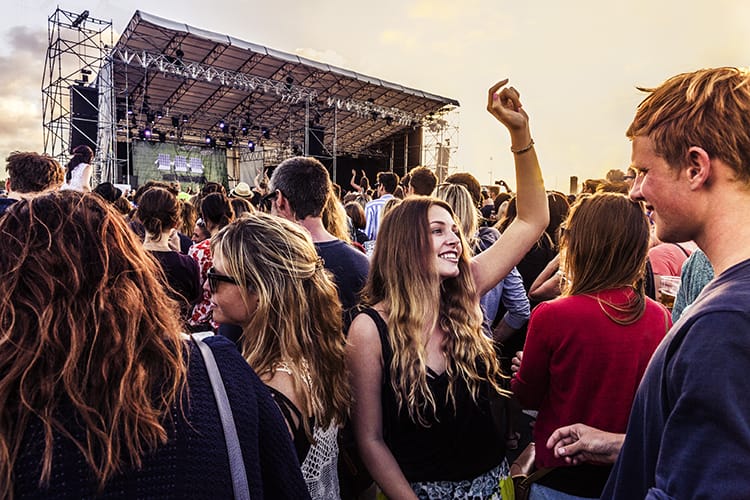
576 64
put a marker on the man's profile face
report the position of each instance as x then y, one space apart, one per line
665 190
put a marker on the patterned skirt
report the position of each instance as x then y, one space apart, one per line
494 484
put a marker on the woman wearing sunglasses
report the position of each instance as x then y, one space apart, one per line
268 279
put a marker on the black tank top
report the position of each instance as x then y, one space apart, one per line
293 417
457 445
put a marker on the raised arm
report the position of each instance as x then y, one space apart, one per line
353 182
490 266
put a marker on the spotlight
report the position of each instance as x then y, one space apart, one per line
175 121
150 117
389 120
179 53
244 129
289 82
229 142
162 136
208 139
222 124
147 133
185 118
251 146
265 133
159 114
80 19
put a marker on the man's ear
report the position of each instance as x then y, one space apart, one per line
283 206
698 168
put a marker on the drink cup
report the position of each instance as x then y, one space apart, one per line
668 286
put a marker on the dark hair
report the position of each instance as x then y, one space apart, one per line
241 206
150 184
217 209
81 154
158 210
388 180
33 172
108 191
469 182
356 213
423 181
305 183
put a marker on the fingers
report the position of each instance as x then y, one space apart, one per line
491 96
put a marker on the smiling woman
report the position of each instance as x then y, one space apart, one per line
421 367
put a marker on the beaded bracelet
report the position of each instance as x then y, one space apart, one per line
523 149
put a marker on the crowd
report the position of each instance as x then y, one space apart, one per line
405 340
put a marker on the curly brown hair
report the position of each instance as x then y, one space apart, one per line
33 172
85 327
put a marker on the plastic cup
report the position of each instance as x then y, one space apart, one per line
668 287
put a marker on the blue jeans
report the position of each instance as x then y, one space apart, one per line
539 492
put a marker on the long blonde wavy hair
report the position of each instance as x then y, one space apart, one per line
85 327
404 277
298 320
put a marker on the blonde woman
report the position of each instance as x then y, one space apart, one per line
268 279
423 372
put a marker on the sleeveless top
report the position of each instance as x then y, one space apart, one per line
78 178
318 459
459 444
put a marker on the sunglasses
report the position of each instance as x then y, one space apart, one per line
214 278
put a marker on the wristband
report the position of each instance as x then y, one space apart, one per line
523 149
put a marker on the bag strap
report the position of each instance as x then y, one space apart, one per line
236 462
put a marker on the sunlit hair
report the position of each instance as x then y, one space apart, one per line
298 319
33 172
334 218
158 210
709 108
559 207
392 202
604 246
241 206
85 326
404 277
356 213
459 198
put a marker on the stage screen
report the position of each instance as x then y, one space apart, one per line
190 165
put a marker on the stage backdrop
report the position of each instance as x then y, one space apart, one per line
190 165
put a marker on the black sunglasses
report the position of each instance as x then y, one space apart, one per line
214 278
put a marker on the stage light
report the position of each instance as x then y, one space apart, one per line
265 132
244 129
389 120
175 122
208 139
162 137
150 117
229 142
251 146
179 53
159 114
147 133
185 118
80 19
222 124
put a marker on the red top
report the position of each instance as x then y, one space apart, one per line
580 366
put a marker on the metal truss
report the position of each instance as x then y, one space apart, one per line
440 140
77 48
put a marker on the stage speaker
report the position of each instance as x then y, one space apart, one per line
84 122
315 137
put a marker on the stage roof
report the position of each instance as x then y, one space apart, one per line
201 78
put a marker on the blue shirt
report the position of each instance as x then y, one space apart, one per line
372 214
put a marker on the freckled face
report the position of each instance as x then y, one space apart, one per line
445 241
665 190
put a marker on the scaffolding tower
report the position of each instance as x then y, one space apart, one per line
77 58
440 140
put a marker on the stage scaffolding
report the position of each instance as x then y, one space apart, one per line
76 58
169 82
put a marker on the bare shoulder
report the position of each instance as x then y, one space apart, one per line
363 340
283 382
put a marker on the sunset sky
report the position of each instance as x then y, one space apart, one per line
576 63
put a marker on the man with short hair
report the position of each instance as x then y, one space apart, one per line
299 188
30 174
387 182
422 181
689 430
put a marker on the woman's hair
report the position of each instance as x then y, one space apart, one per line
333 216
81 154
298 319
388 206
459 198
558 212
604 246
158 211
356 213
216 209
90 347
241 206
404 277
188 217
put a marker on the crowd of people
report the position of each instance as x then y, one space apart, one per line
405 340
